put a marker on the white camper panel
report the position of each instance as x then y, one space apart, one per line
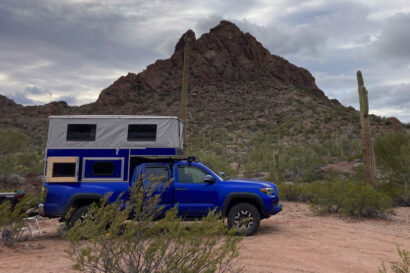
111 131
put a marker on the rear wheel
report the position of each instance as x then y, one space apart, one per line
245 218
79 214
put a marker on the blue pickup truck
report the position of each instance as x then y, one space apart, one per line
85 167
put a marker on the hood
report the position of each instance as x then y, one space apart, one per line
252 182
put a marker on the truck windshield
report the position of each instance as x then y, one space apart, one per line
209 166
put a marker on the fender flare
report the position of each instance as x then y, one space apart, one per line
75 197
241 195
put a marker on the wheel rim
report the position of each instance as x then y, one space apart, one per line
244 220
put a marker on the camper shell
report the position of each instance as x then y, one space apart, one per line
106 148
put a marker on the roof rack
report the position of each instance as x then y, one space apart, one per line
191 159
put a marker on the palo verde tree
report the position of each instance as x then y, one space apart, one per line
183 114
367 144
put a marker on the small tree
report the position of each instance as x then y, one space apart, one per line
108 240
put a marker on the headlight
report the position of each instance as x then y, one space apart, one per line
269 191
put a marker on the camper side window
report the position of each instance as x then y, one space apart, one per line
81 132
142 132
62 169
103 168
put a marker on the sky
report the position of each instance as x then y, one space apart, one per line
71 50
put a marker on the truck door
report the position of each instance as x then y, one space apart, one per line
195 197
159 173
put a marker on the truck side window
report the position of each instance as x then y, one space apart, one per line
81 132
191 174
142 132
159 173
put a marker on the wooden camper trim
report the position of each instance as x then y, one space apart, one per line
58 159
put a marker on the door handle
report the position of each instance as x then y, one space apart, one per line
181 189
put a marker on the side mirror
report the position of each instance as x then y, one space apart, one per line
209 179
222 174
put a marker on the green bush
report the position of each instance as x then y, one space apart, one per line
300 163
293 191
211 149
11 218
398 267
348 197
108 240
393 159
17 154
339 196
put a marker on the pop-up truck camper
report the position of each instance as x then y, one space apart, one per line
90 156
102 148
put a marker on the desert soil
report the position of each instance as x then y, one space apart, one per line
296 240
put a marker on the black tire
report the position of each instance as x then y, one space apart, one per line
78 214
245 218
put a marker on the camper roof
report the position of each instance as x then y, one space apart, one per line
112 117
115 131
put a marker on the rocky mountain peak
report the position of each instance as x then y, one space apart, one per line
223 55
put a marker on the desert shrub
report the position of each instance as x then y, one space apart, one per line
17 154
338 196
210 150
348 197
219 163
300 163
293 191
11 218
109 240
393 159
398 267
259 158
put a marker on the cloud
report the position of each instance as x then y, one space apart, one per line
21 98
393 42
206 23
34 90
69 99
302 40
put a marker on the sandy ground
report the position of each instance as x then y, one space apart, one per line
294 241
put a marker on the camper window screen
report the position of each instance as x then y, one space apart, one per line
142 132
81 132
64 169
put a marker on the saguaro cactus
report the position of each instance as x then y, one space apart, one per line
367 144
275 165
184 93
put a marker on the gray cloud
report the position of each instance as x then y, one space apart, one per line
69 99
296 40
22 99
394 38
34 90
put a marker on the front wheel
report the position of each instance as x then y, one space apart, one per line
245 218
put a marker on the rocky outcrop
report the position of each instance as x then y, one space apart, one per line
225 54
